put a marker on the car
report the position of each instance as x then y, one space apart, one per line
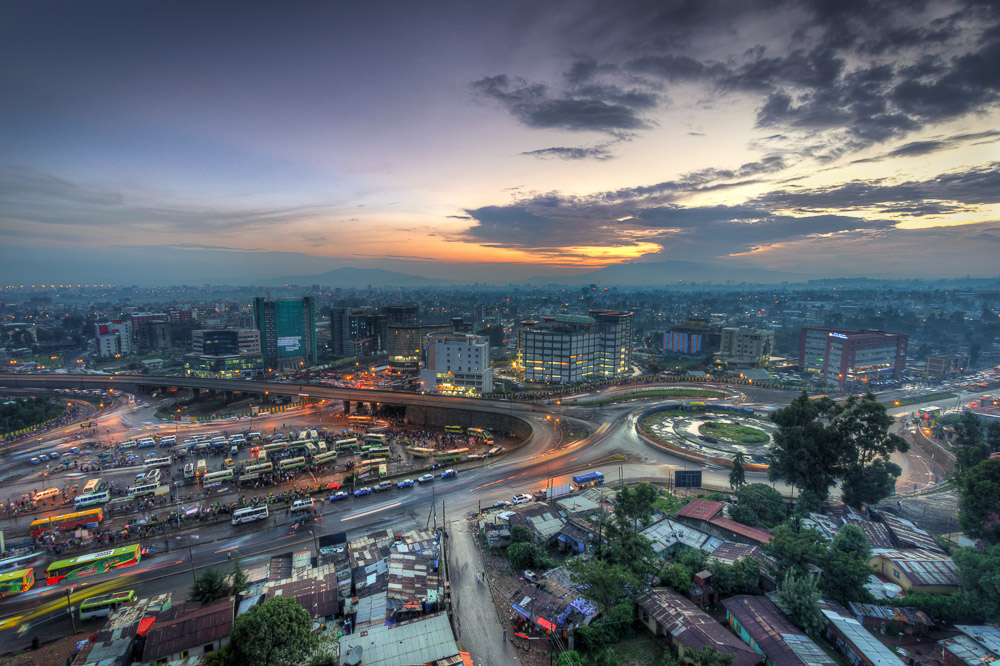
75 450
530 575
338 496
425 478
54 456
523 498
35 461
333 485
448 473
229 463
363 491
42 457
501 504
382 485
405 483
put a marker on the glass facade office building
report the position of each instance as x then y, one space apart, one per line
287 329
566 349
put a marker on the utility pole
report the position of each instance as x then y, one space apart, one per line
69 607
191 559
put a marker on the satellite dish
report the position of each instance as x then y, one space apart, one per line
354 656
891 590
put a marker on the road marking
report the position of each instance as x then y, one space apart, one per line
472 490
225 549
368 513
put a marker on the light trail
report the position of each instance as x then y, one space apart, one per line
368 513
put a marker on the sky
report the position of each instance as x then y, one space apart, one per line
186 142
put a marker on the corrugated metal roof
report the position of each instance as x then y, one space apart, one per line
968 650
578 504
317 594
921 567
692 627
187 626
419 641
986 634
913 616
667 533
756 534
701 509
862 640
780 640
412 576
370 609
908 535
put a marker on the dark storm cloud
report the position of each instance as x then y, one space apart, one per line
601 108
918 148
571 153
966 188
700 181
849 74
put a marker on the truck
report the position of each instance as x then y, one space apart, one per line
589 478
554 492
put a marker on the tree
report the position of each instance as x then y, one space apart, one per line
527 556
759 504
738 477
707 656
742 576
868 475
602 583
808 503
794 548
993 436
238 578
634 507
979 502
210 586
521 534
845 566
677 576
800 596
806 451
278 632
970 445
570 658
632 550
979 579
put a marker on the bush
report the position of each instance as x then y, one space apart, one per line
527 556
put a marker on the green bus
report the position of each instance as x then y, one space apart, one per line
292 463
346 444
215 477
16 582
376 438
379 452
104 605
325 458
94 563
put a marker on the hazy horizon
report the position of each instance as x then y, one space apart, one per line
230 142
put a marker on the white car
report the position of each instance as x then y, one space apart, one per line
425 478
523 498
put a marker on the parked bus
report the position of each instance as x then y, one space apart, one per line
379 452
452 455
274 447
291 463
481 434
458 430
361 420
201 469
420 452
94 563
169 440
81 501
310 448
93 486
253 435
160 461
104 605
16 582
345 444
215 477
143 489
68 521
259 468
325 458
376 438
249 514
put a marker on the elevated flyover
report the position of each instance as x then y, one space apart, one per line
421 408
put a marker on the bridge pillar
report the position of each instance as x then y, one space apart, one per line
196 393
371 407
347 407
229 396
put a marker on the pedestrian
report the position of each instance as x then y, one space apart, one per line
504 635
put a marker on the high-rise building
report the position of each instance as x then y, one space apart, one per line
287 329
457 363
114 338
746 346
846 357
945 365
357 332
692 338
566 349
223 342
150 330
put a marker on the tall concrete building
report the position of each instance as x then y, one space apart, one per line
746 346
114 338
692 338
566 349
357 332
847 357
287 329
457 363
223 342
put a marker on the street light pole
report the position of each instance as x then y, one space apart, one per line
69 607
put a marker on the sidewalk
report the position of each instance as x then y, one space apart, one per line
479 630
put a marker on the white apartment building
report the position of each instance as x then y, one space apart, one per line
457 363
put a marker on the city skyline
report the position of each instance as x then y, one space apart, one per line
496 143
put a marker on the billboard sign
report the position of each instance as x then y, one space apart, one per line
687 478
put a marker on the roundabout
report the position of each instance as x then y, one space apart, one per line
713 433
